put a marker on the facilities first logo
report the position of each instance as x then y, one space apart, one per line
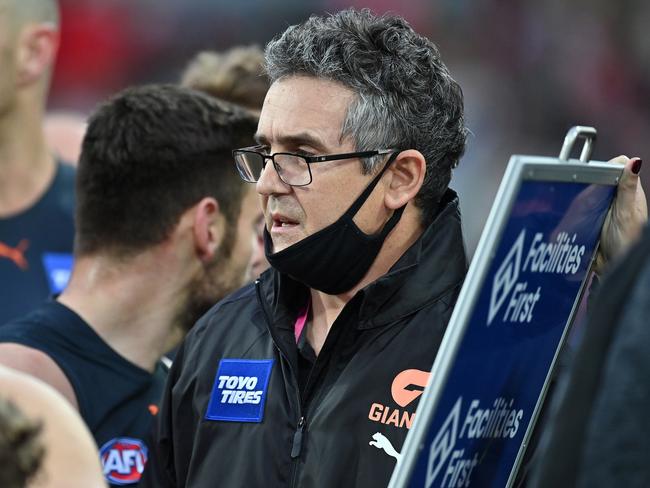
511 298
453 466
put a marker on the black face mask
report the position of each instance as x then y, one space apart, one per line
336 258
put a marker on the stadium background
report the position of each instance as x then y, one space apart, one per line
529 69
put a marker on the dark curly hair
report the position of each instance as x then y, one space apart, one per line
405 96
21 450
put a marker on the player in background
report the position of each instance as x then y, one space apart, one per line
163 232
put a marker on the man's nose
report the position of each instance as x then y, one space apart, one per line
269 182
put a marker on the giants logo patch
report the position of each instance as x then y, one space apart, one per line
123 460
239 390
405 389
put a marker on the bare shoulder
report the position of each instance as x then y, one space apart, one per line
71 458
38 364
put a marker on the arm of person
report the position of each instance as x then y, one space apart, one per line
71 458
627 217
38 364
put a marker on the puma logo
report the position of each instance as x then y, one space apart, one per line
381 442
17 254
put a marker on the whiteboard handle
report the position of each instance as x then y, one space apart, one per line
579 131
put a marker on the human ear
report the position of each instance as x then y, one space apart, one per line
406 175
208 228
38 44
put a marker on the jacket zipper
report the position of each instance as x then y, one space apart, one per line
297 439
296 445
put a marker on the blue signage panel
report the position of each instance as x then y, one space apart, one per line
514 330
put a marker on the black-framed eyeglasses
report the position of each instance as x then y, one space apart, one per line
293 169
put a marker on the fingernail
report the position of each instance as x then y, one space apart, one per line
636 166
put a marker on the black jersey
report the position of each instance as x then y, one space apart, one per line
36 248
117 399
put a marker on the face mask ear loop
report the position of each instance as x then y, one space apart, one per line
392 222
361 199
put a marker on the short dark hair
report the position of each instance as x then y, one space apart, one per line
149 154
405 96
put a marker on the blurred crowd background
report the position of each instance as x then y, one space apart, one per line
529 69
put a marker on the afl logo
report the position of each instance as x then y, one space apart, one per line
123 460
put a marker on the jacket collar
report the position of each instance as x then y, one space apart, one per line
434 266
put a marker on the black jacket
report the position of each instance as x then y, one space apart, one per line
351 421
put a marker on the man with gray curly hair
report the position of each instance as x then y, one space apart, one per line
310 377
403 96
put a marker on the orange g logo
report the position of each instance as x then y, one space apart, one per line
408 386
